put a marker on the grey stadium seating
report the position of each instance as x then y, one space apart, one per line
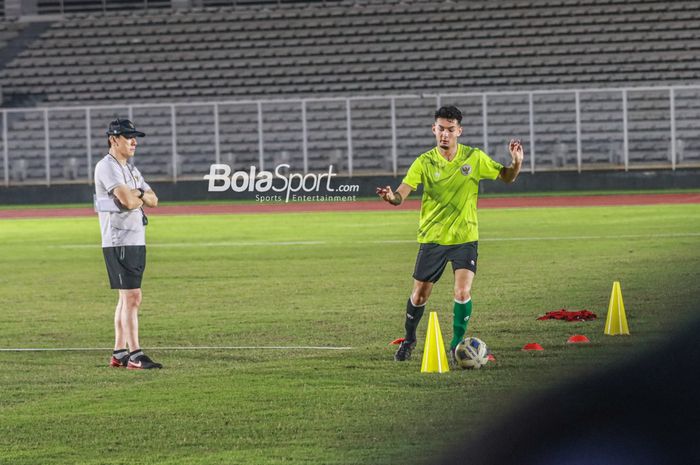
350 48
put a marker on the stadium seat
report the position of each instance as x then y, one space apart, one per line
374 47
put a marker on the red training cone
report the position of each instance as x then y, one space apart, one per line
578 339
532 346
398 341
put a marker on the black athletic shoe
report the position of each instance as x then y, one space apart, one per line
142 362
119 362
404 351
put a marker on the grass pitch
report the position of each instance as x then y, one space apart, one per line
322 279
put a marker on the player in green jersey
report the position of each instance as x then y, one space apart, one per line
448 225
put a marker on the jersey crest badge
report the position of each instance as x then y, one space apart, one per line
466 169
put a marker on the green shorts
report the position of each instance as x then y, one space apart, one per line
432 259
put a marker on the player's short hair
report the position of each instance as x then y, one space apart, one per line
449 112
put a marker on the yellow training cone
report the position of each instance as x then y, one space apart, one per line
434 356
616 321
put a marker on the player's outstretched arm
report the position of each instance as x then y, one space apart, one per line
394 198
508 174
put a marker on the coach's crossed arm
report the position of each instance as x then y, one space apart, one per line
128 198
149 198
132 199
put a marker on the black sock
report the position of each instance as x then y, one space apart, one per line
136 353
120 353
413 316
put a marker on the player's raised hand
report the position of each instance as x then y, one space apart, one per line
386 194
515 147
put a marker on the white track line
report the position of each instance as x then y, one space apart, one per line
87 349
578 238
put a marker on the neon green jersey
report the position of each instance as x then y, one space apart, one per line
450 192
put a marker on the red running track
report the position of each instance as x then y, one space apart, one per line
371 205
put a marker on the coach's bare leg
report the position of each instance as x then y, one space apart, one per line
119 332
130 316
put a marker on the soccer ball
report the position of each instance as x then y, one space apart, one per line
471 353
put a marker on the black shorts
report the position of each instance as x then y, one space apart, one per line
125 265
432 259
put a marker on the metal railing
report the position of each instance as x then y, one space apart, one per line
574 129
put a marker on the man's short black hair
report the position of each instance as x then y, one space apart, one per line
449 112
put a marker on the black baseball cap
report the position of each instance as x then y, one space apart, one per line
123 127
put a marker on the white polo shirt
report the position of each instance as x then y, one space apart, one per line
119 226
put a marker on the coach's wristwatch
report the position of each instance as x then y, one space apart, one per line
141 192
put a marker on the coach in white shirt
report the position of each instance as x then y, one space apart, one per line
120 195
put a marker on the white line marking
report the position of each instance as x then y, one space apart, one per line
204 244
396 241
237 244
578 238
88 349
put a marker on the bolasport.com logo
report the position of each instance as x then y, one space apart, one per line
281 184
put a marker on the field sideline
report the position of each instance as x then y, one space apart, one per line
242 310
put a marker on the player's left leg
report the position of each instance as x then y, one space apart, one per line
464 258
462 310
